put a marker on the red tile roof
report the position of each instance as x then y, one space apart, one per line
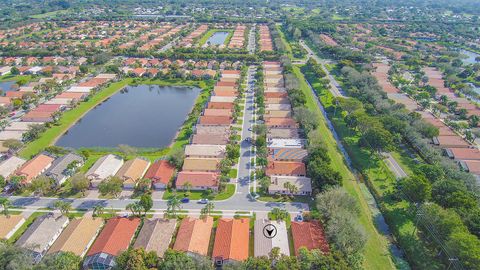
232 239
160 171
286 168
309 235
197 179
115 236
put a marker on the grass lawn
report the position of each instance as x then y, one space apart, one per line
210 33
376 252
48 14
197 194
72 116
381 182
19 79
233 173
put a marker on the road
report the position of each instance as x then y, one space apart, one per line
335 87
337 91
251 40
240 201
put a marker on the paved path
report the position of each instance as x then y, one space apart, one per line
252 40
379 220
240 201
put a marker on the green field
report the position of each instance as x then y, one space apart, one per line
197 194
377 255
49 14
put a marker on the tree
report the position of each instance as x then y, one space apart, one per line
345 233
146 202
173 260
291 188
127 150
5 203
336 200
79 182
279 214
42 185
173 204
33 132
207 210
176 158
466 248
112 186
63 206
133 259
135 208
13 144
257 263
416 188
13 257
98 210
187 186
378 139
60 261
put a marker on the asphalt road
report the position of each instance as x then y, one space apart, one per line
240 201
251 40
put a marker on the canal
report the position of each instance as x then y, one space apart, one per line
145 116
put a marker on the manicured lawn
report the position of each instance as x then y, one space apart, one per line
197 195
376 250
233 173
382 182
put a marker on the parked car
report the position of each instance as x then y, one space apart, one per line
185 200
203 201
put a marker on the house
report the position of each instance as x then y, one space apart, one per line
64 167
156 235
287 154
212 130
37 116
197 180
231 240
160 173
222 99
283 133
212 139
450 142
42 234
286 143
78 236
278 107
218 112
132 170
20 126
193 236
11 134
281 122
286 168
205 151
112 240
201 164
278 183
309 235
10 165
471 166
263 245
216 105
10 225
103 168
215 120
35 167
463 153
278 114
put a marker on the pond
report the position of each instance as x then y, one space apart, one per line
470 57
218 38
6 86
141 116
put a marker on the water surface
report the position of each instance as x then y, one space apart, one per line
218 38
140 116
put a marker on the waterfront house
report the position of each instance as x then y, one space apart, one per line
103 168
132 171
10 165
64 167
160 173
34 167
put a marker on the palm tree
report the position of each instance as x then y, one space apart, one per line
207 210
173 204
187 185
98 210
64 207
5 205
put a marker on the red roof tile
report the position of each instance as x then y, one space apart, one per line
309 235
115 236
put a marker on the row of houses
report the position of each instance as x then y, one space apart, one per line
101 242
191 38
454 145
57 168
209 142
49 109
238 39
266 44
133 62
286 147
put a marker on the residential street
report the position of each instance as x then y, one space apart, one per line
240 201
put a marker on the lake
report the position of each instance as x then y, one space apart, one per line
218 38
6 86
470 57
141 116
